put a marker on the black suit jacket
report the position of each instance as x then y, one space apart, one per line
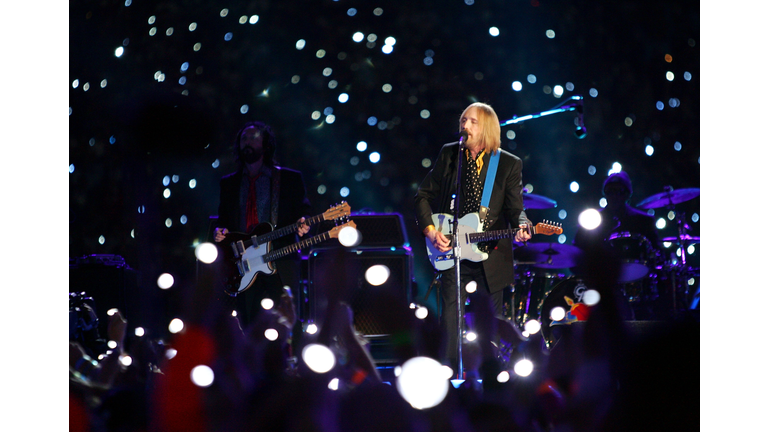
292 203
505 206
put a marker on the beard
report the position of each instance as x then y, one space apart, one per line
250 155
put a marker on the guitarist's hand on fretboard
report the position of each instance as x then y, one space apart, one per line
219 234
303 228
524 234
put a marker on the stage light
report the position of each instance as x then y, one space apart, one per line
126 360
319 358
524 367
374 157
422 382
201 376
312 328
422 312
377 274
206 252
590 219
502 377
334 384
358 37
574 186
170 353
362 146
471 336
139 331
661 223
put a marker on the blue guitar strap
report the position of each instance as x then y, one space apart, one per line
493 165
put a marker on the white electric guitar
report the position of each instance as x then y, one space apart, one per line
258 259
469 232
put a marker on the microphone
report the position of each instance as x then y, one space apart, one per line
581 130
463 137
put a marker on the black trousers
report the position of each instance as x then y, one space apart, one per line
470 271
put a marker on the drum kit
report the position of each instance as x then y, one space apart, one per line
655 286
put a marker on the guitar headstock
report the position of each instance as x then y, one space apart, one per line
337 211
334 232
548 228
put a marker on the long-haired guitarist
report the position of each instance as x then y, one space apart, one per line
261 192
505 209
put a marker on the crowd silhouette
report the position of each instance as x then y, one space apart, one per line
601 376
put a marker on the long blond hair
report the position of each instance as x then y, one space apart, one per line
491 133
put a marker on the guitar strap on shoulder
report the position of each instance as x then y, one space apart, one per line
493 165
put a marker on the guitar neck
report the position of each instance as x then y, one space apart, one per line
282 252
494 235
276 234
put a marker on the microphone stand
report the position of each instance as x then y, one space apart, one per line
567 105
457 256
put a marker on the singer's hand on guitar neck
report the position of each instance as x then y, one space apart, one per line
438 240
524 234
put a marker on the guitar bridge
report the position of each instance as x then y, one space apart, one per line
446 257
243 266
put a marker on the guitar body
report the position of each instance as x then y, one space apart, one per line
470 233
468 224
242 261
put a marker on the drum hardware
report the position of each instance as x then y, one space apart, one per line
527 295
533 201
636 254
669 197
549 255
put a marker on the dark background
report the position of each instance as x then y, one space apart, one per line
144 124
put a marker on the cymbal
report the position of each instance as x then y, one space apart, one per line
548 255
685 239
669 197
533 201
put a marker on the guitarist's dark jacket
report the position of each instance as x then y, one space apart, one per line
505 206
291 205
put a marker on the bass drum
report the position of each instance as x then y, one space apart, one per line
567 303
636 253
528 294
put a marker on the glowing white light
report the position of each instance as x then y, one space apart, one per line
550 34
176 325
503 377
471 336
574 187
387 49
471 287
603 202
168 222
615 168
349 236
531 78
111 311
267 303
254 19
390 41
590 219
166 193
344 191
532 326
119 51
558 90
691 249
362 146
343 98
206 252
139 331
271 334
358 37
661 223
517 86
424 114
524 367
112 344
649 150
330 119
493 31
334 384
670 76
374 157
591 297
126 360
422 382
422 312
201 375
557 313
170 353
165 281
319 358
102 239
300 44
377 274
312 328
192 184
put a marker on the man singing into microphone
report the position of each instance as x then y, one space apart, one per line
505 209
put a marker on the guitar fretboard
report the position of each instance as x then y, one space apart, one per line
279 253
276 234
492 235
